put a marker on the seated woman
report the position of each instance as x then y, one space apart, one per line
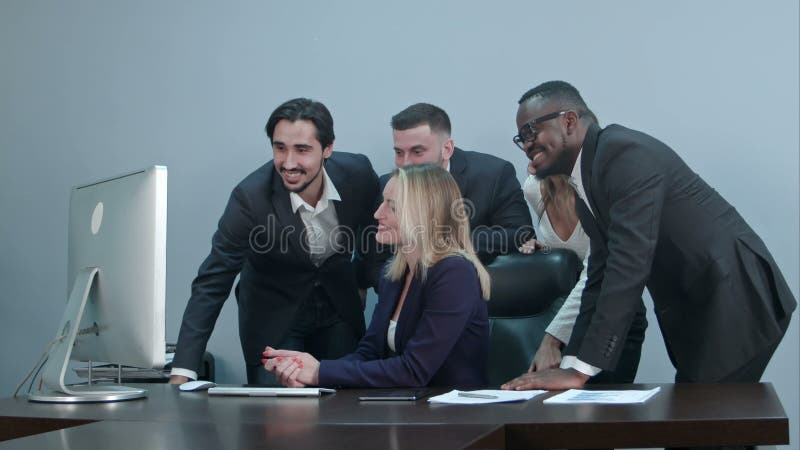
553 201
430 326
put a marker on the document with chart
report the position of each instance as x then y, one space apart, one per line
608 397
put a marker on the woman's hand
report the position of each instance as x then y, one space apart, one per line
532 245
292 368
531 168
548 356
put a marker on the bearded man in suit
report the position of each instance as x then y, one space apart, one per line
290 231
498 217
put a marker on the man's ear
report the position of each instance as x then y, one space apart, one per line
572 121
447 149
327 151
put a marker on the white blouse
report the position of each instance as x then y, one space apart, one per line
561 325
390 332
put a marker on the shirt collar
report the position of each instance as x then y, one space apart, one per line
576 178
329 193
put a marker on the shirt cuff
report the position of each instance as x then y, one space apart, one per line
184 373
571 362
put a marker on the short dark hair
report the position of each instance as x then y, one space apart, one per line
304 109
563 93
422 114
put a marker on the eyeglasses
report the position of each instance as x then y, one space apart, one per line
528 134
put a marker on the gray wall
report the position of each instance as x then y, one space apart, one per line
95 88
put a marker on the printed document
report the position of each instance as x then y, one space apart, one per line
608 397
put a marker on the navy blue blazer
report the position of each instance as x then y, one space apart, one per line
442 334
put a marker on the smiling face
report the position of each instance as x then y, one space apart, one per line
388 225
420 145
553 150
298 158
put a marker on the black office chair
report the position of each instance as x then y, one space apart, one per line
527 291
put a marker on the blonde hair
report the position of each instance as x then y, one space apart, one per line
432 221
557 191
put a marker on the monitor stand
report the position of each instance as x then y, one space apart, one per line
51 387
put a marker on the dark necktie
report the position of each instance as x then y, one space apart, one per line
587 219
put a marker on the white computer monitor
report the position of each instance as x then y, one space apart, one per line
116 274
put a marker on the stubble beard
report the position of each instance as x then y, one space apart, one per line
304 186
561 166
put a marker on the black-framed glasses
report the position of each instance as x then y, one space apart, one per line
527 133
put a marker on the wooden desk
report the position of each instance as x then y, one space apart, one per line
121 435
680 415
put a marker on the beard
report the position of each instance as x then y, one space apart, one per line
305 185
562 165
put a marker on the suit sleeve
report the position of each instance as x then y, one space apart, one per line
510 220
365 257
212 286
635 190
449 299
374 255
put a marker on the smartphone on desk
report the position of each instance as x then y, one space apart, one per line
409 395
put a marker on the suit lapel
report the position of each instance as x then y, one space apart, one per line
408 314
587 220
588 154
458 164
587 160
344 213
389 297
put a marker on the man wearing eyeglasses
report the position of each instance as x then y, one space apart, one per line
722 304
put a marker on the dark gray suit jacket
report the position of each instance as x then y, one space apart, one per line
261 239
719 297
499 217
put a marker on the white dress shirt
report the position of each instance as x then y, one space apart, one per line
321 222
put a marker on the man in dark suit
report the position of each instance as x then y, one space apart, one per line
721 302
289 230
498 216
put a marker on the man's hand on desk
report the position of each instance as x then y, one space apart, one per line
550 379
178 379
548 356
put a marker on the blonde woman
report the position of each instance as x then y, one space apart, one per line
430 326
553 203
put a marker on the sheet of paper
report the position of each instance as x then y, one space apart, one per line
607 397
483 396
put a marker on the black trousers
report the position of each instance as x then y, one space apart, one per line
750 372
316 329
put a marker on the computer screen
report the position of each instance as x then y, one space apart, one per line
116 274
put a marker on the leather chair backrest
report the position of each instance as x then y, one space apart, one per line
527 291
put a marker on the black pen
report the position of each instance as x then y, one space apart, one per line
474 395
